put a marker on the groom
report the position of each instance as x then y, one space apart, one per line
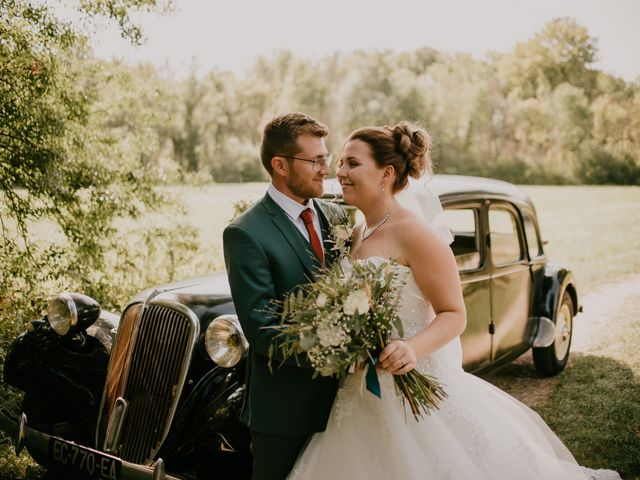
270 250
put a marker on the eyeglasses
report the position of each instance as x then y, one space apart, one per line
318 163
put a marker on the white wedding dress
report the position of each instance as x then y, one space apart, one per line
479 432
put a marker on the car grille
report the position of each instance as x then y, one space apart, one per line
147 369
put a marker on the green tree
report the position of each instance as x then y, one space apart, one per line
138 108
454 87
561 53
65 174
53 166
612 154
188 137
71 166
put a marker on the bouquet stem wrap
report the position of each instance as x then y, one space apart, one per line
373 384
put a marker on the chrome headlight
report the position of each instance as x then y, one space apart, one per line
69 313
224 341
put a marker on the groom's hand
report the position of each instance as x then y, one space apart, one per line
398 357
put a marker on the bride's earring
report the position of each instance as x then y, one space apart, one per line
383 181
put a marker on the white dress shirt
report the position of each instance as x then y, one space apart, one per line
293 210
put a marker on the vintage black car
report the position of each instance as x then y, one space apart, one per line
159 388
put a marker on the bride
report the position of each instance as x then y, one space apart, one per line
478 432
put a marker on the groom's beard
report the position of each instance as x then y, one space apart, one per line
304 188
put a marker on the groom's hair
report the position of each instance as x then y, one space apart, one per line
280 136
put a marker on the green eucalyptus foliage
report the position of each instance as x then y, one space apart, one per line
75 169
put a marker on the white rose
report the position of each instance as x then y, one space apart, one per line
327 370
329 335
321 301
329 367
341 232
307 341
356 300
345 277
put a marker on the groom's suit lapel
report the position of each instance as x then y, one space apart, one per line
325 226
296 241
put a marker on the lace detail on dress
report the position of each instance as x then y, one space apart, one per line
345 400
524 451
414 310
442 471
468 424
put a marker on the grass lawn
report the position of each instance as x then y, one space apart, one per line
595 230
210 207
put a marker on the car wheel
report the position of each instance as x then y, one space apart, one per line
553 359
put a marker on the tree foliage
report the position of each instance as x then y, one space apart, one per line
539 113
561 53
74 163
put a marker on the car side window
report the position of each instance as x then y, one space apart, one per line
532 237
463 223
503 228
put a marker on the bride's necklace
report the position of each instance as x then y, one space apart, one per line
373 229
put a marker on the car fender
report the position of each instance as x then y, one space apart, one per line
557 280
65 376
541 328
105 328
207 422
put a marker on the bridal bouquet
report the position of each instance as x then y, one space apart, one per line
345 318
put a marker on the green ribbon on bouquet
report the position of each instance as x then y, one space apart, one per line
373 384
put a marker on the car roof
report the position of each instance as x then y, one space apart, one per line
462 185
449 187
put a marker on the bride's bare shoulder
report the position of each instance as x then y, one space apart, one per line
414 231
408 220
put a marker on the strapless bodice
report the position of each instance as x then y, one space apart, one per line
414 309
416 313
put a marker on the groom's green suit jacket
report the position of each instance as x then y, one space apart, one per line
266 257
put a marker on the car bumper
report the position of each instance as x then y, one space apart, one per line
78 458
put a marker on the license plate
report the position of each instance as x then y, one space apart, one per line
85 461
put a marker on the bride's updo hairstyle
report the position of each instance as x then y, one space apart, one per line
405 147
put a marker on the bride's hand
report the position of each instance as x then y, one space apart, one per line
398 357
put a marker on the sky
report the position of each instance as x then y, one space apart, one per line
230 35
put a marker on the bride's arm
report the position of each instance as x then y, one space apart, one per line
434 270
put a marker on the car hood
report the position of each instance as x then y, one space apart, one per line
209 290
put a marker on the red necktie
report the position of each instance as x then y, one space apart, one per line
307 218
